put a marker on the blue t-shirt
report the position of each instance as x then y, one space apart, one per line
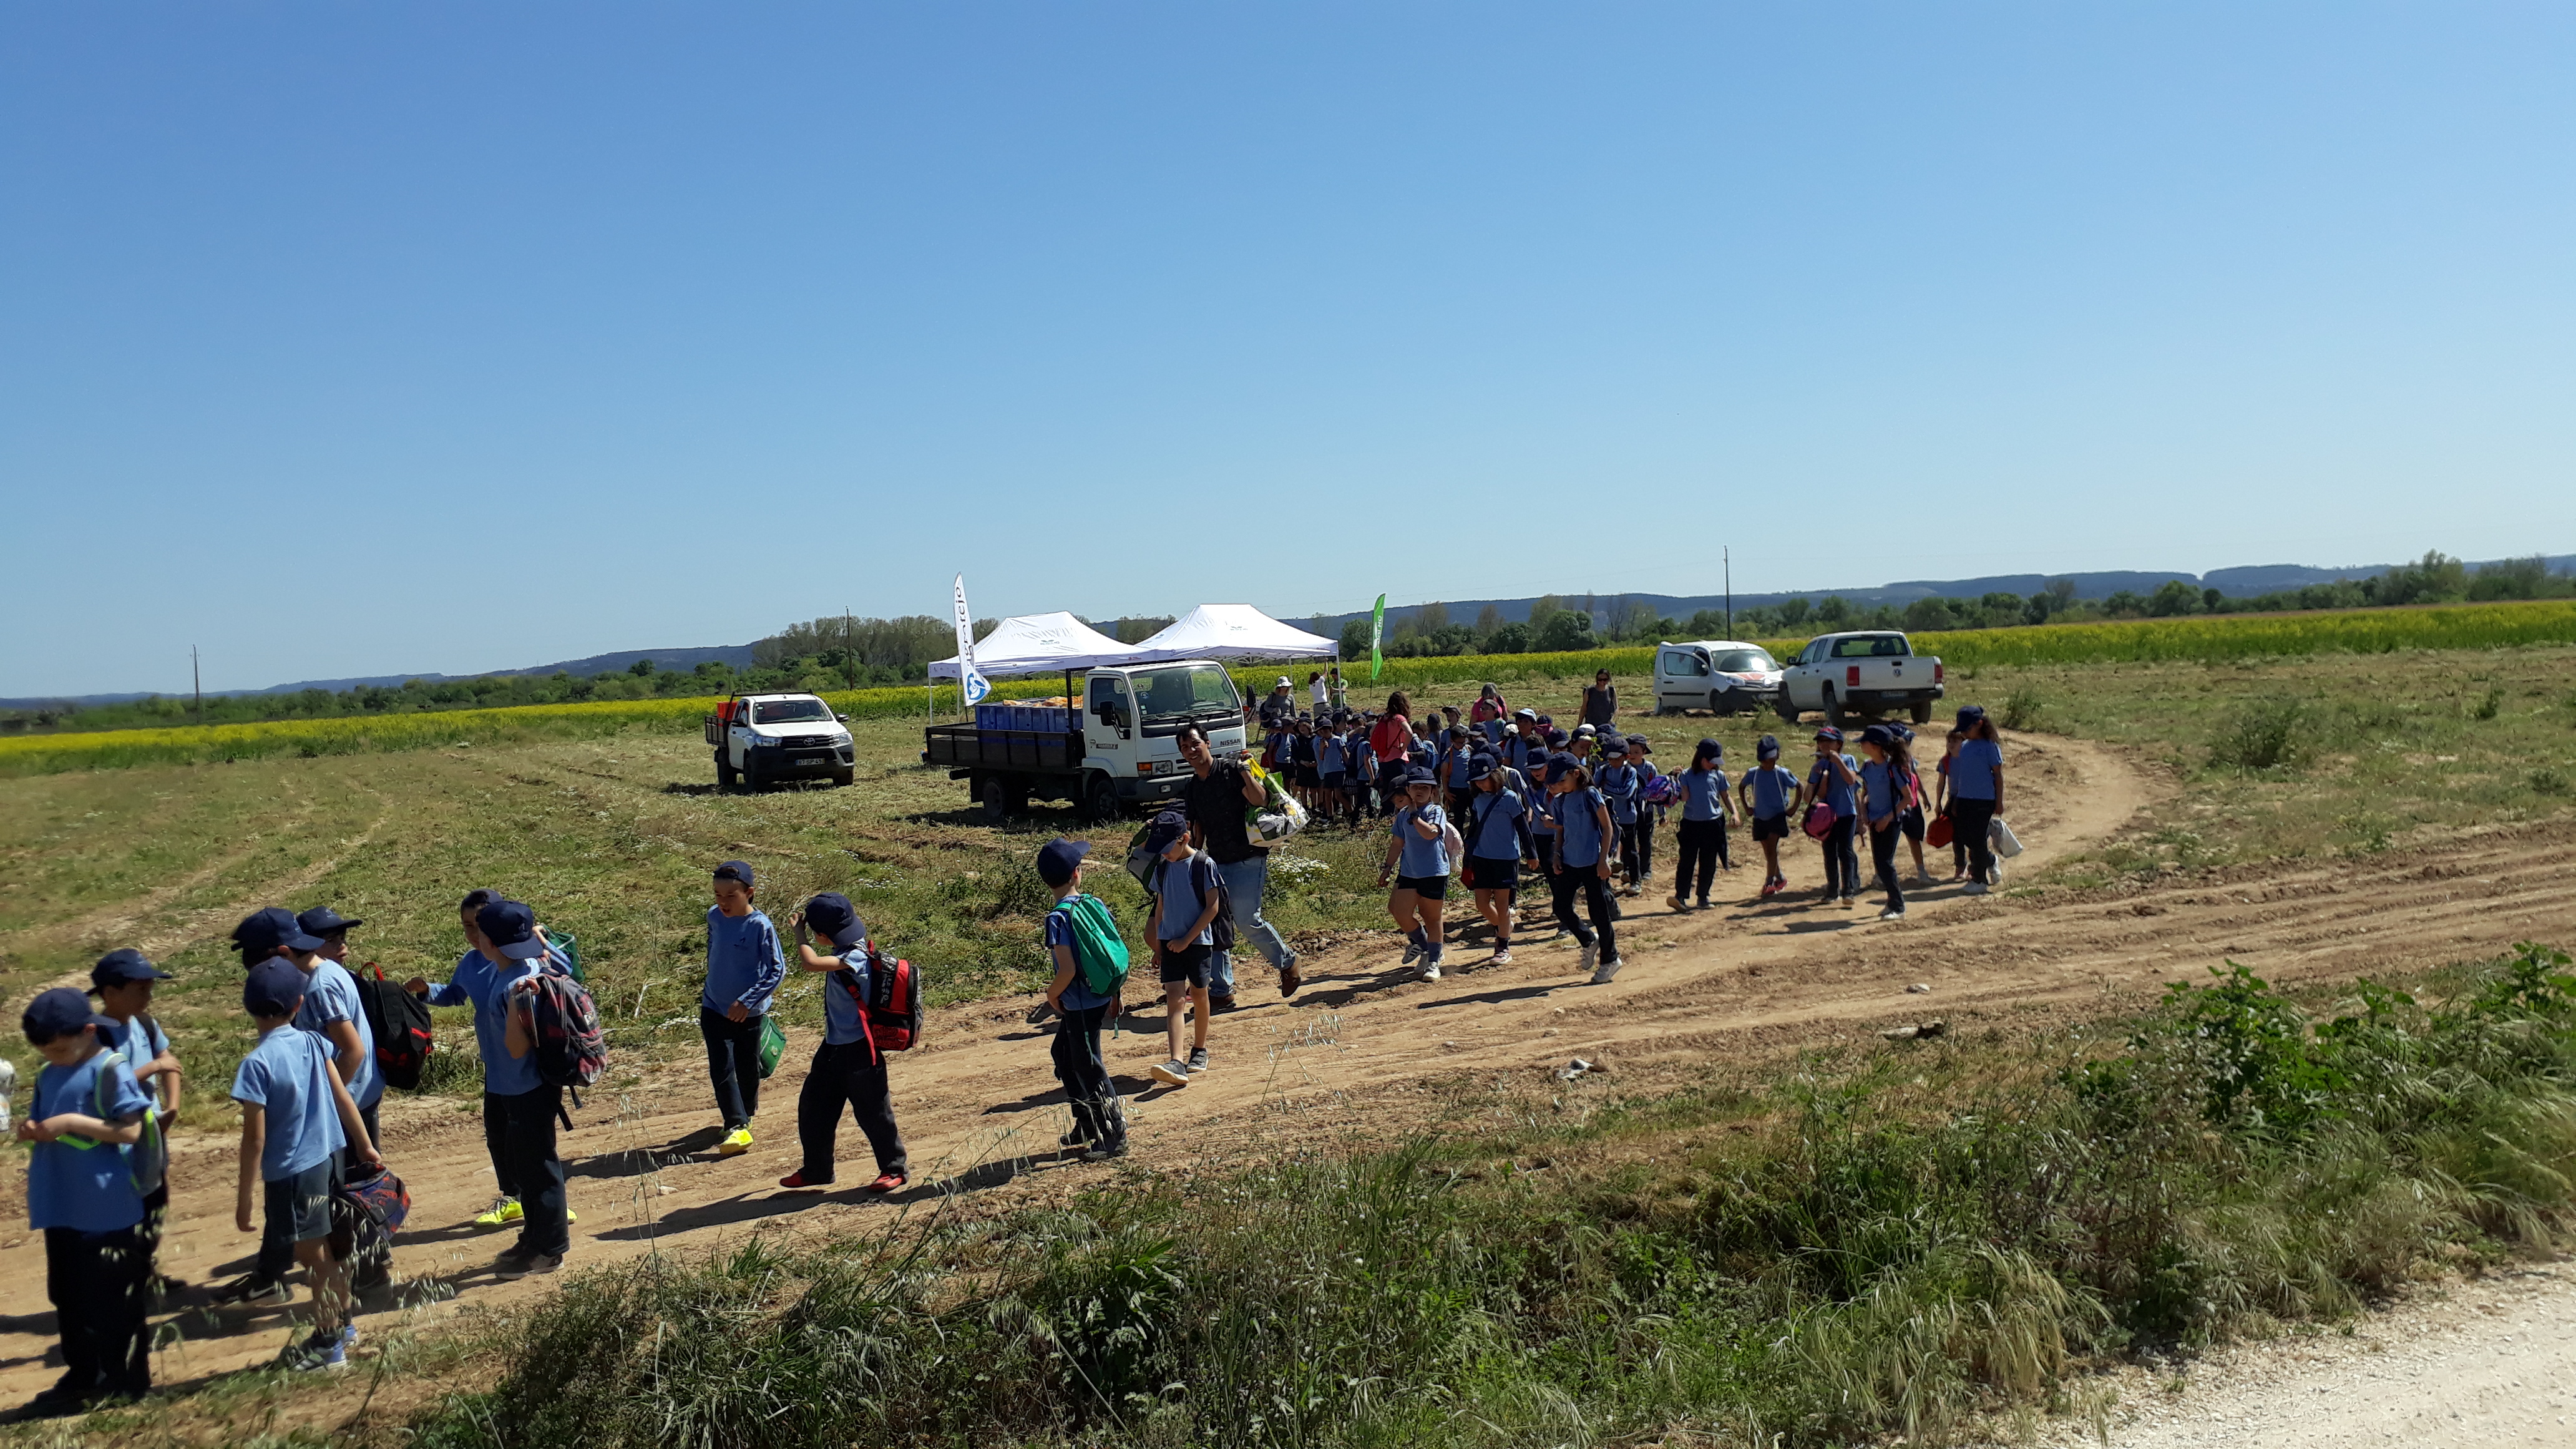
288 1077
90 1189
474 982
1495 835
1885 786
841 1026
1578 828
1420 857
744 963
1838 791
1618 784
1703 792
1185 886
331 995
1328 755
1972 774
139 1041
1772 787
1077 996
503 1074
1459 759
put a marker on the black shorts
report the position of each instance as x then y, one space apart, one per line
1770 827
1330 779
1307 777
1493 875
1429 887
1187 964
301 1205
1911 822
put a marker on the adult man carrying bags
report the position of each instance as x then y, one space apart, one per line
1215 803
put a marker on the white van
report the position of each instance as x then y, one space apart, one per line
1725 676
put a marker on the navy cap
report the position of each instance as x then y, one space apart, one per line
832 914
1828 735
1166 828
1879 735
1615 746
262 932
1969 715
1637 745
1556 739
1562 764
1767 748
123 965
1479 766
1417 776
511 928
62 1011
1058 858
322 921
274 987
1711 750
736 870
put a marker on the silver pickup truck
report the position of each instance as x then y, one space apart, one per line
1873 672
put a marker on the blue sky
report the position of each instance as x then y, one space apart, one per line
343 339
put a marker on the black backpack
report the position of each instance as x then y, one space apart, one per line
399 1022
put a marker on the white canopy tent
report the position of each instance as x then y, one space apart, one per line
1229 631
1041 644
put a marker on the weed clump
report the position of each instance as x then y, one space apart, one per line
2265 734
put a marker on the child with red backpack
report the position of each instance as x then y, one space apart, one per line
529 1101
850 1066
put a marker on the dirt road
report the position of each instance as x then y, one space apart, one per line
1365 1054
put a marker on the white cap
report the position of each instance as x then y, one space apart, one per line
1283 681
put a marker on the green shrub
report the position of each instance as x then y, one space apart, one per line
2263 735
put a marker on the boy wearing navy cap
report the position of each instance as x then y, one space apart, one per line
1099 1124
847 1066
530 1105
332 1012
1187 895
122 982
476 982
296 1117
267 934
744 967
86 1117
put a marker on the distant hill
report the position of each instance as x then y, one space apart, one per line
737 655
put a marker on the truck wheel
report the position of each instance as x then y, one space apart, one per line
1716 708
1922 711
1788 712
849 776
752 779
1099 799
1003 798
1833 708
727 777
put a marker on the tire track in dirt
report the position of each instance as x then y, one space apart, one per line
1366 1055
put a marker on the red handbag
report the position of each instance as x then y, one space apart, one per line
1820 820
1938 833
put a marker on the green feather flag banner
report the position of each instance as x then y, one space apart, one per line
1377 636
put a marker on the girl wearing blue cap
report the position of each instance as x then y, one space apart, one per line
1977 795
1889 789
1835 780
1417 861
1706 807
1583 837
1766 792
1498 847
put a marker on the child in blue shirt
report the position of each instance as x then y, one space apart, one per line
1618 783
1835 780
122 982
1767 791
1888 790
848 1066
1099 1123
1417 862
1187 895
84 1124
744 967
297 1115
1706 807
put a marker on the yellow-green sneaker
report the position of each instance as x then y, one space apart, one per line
504 1210
736 1143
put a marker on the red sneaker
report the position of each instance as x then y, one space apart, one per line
796 1179
888 1182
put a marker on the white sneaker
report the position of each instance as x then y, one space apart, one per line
1973 888
1995 873
1430 970
1591 951
1892 913
1608 969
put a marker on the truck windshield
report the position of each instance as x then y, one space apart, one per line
1746 661
788 711
1169 696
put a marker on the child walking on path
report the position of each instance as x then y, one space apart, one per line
1889 789
297 1115
1090 967
1618 783
744 967
1977 796
1835 780
848 1068
1583 867
1941 805
86 1118
530 1104
1188 893
1767 791
1417 861
1637 844
122 982
1498 848
1706 807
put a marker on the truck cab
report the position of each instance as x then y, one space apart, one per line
1117 750
1868 672
760 739
1722 676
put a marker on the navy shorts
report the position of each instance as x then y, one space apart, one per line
1429 887
1911 822
301 1205
1770 827
1332 779
1187 964
1493 875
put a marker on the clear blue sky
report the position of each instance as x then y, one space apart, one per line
349 339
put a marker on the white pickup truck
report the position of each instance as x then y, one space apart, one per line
760 739
1873 672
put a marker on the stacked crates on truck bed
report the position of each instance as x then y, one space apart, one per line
1027 718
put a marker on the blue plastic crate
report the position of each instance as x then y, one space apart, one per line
992 716
1052 719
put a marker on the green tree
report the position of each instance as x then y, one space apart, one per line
1926 615
641 668
2172 599
1566 629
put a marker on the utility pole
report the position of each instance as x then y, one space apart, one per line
197 677
1727 556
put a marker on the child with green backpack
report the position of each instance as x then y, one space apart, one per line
1090 967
